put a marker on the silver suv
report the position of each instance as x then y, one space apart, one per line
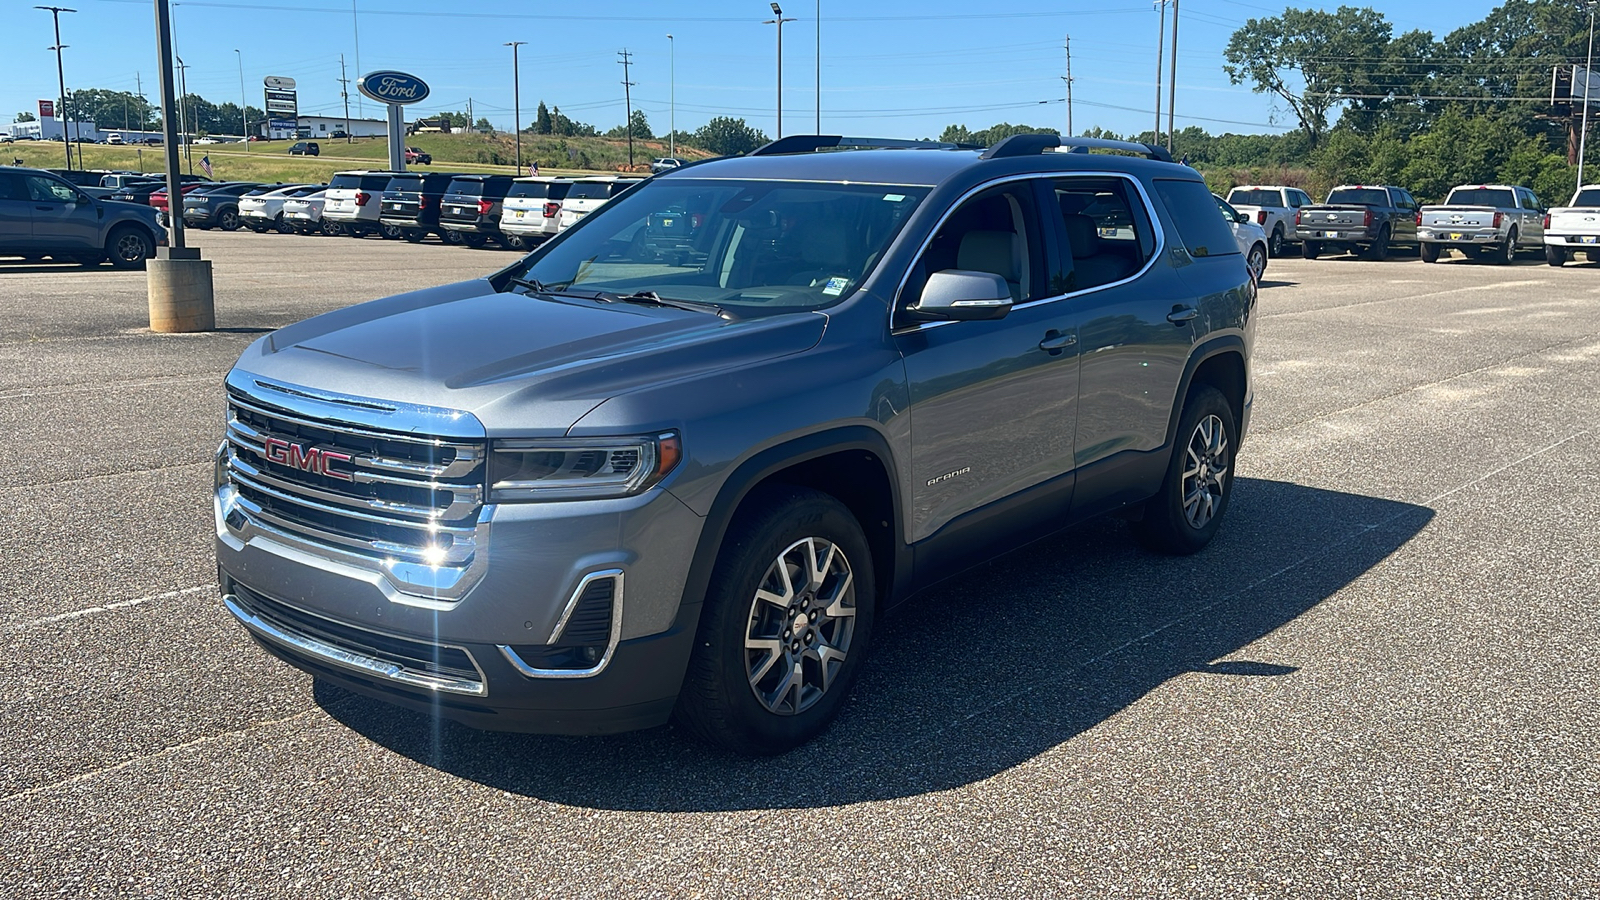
676 461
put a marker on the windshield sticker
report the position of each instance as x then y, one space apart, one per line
894 198
835 286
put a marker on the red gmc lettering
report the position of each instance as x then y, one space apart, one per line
306 459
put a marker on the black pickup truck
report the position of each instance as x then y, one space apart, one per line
1358 218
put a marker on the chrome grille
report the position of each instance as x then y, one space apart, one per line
397 497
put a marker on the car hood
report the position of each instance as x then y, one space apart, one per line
521 364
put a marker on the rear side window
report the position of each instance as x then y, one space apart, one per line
618 187
471 187
589 190
1194 211
1587 197
1106 229
1498 197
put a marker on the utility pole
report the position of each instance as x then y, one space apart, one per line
1068 79
344 93
672 97
144 108
183 126
244 117
516 100
819 68
778 20
627 98
61 81
1172 91
355 29
1588 70
1161 50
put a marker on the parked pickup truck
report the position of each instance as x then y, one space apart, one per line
1358 218
1574 227
1272 207
1500 218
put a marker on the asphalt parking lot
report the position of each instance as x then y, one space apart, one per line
1380 680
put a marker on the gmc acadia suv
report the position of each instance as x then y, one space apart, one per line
634 478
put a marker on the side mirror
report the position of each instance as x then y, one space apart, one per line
964 296
1242 218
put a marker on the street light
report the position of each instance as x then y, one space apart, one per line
244 118
516 99
61 80
778 20
672 97
819 67
1588 73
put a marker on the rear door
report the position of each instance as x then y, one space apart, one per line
62 216
1404 227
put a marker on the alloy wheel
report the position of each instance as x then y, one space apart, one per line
130 247
1205 471
802 621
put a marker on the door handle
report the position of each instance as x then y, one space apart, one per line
1182 314
45 208
1054 342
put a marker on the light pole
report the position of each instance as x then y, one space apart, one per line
672 97
819 67
778 20
516 100
1161 49
244 118
183 118
1588 73
61 80
1172 89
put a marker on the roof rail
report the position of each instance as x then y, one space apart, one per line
1034 144
811 143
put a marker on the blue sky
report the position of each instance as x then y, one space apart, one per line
890 68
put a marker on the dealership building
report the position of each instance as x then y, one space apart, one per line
322 126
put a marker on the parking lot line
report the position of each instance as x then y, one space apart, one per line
106 607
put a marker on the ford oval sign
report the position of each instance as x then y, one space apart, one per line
394 87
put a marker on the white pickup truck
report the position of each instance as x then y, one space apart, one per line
1272 206
1499 218
1574 227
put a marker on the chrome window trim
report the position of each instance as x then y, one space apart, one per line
528 671
1150 212
353 661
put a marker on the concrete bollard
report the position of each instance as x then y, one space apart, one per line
180 291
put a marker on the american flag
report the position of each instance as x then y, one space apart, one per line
205 163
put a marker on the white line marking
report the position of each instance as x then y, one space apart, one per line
120 604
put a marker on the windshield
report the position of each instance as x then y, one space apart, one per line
1359 197
748 246
1255 198
1481 197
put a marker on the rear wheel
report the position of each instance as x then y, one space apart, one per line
473 239
1555 255
1430 252
1506 252
391 232
450 237
787 618
331 228
513 242
1379 249
228 220
128 247
1184 516
282 226
415 235
1275 248
1311 250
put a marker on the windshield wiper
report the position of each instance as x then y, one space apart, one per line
538 287
652 298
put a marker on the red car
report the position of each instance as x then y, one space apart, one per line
415 155
158 199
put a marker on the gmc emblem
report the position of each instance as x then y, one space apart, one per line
306 459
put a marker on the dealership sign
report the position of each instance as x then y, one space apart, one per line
394 87
47 109
278 83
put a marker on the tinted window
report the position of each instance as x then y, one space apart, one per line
405 183
1587 197
1254 198
996 231
375 182
11 188
1498 197
48 190
1529 201
618 187
344 181
1106 229
1299 198
589 190
469 186
1359 197
1194 211
531 189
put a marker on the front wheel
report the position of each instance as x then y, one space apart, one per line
1555 255
1184 516
1429 252
1310 250
129 247
787 618
1256 262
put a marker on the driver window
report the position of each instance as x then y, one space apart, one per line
995 231
48 190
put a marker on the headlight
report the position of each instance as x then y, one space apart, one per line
579 469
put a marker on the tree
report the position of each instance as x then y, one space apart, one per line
639 126
727 136
541 121
1329 53
484 126
988 137
25 117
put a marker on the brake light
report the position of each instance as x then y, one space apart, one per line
551 209
362 197
484 206
1261 217
422 203
1419 217
1497 218
1547 220
1297 217
1366 220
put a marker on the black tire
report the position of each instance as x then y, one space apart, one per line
1167 525
450 237
1472 252
391 232
228 220
282 226
514 242
718 702
1275 242
1256 262
474 240
1555 255
415 235
1506 252
1310 250
128 247
1429 252
331 229
1378 250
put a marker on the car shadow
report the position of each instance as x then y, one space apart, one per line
1270 283
983 673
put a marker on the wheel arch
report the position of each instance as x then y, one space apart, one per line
1220 363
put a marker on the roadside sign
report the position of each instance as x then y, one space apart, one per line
278 83
47 109
283 102
393 87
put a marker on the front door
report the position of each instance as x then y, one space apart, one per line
62 217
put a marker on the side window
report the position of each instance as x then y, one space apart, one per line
1194 211
1294 199
1529 201
10 189
1106 229
1302 199
995 231
48 190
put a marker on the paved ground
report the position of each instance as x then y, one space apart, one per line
1381 680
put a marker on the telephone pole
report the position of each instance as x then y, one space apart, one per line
61 80
1068 79
516 100
627 98
1172 90
672 97
344 93
244 120
1161 49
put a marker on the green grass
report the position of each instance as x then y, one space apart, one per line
270 161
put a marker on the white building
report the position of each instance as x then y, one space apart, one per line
51 130
319 127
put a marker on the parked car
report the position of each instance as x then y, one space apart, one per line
1251 238
261 210
665 164
588 493
87 180
1574 228
338 134
116 180
305 148
411 202
114 138
42 215
532 209
471 207
1499 218
417 156
158 197
354 200
589 194
216 206
305 214
1358 218
1273 207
